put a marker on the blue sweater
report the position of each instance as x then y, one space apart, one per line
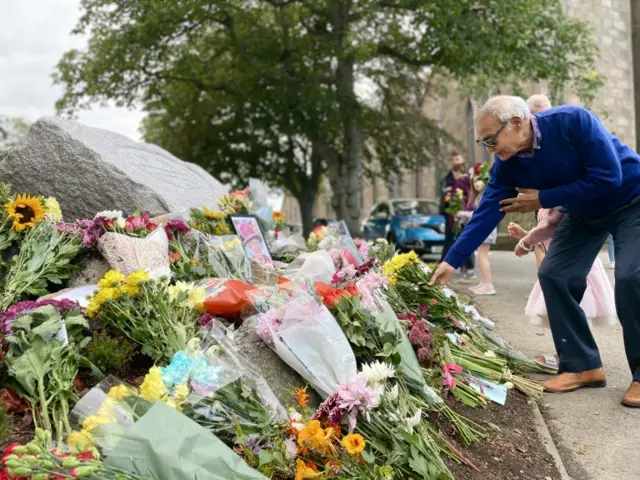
578 165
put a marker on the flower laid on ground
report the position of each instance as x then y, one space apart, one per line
25 211
354 443
391 268
419 333
279 222
210 222
159 317
302 397
44 259
37 461
21 308
42 347
52 209
237 201
90 230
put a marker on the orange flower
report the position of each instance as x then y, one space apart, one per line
353 443
306 470
173 256
302 397
352 289
315 436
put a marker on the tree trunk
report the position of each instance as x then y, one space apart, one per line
307 200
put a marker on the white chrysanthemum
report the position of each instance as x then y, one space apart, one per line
113 214
392 393
377 372
414 420
120 222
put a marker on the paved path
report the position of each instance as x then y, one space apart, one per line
598 439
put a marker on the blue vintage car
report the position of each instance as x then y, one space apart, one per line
412 224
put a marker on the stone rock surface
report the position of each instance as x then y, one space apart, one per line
89 169
91 270
282 379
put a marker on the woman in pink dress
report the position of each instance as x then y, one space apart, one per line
598 301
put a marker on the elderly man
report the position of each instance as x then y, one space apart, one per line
564 157
538 103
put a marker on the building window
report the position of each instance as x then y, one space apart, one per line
471 141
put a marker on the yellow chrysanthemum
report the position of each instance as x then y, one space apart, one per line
136 278
107 410
112 278
181 393
213 215
94 421
392 267
100 298
131 290
353 443
52 209
153 389
196 297
25 211
222 229
75 437
119 393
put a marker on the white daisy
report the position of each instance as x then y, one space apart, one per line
377 372
414 420
392 393
114 214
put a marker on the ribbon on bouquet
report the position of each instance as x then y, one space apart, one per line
450 368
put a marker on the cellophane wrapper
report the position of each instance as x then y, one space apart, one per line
305 336
233 397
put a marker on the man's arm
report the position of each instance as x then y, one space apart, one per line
486 217
602 173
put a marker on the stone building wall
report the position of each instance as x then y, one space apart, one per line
611 20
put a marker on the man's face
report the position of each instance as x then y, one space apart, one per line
456 160
501 139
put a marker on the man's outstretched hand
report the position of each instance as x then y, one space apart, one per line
528 200
442 274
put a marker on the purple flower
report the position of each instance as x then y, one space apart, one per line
18 309
175 227
205 320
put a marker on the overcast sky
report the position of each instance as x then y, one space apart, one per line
33 36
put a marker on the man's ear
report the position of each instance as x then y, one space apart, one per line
516 123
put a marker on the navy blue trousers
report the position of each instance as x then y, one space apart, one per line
563 278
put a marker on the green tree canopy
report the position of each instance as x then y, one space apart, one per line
270 87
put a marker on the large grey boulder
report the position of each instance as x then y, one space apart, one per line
89 169
282 379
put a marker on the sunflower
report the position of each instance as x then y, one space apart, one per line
277 216
354 443
26 211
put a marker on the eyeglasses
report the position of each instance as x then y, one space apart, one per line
492 140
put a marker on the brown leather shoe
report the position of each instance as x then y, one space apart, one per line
631 397
568 382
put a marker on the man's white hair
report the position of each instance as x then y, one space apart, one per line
539 102
504 108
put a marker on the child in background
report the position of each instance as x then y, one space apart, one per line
485 287
598 302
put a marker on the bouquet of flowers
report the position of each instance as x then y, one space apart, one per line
279 222
226 396
38 461
144 432
210 222
43 341
375 406
90 230
381 250
160 317
306 336
44 258
455 203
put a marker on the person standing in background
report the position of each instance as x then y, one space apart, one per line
458 164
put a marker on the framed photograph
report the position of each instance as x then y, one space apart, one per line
248 230
340 227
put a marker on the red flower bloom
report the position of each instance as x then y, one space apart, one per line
151 227
85 456
353 290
